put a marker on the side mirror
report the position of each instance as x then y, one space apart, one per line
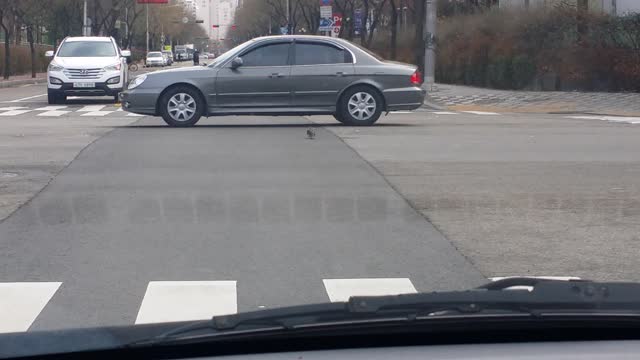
125 53
48 53
236 63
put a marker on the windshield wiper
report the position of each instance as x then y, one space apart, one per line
546 298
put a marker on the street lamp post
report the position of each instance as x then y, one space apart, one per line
429 47
147 11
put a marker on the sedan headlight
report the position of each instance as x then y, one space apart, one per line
54 67
113 67
137 81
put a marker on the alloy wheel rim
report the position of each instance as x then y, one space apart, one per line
181 107
362 106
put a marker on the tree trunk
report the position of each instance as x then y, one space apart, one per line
394 30
32 47
7 52
365 18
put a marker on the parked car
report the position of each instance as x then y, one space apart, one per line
280 75
86 66
155 58
169 56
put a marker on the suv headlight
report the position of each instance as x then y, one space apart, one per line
54 67
137 81
113 67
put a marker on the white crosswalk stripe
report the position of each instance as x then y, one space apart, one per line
621 119
481 113
13 110
52 110
445 113
342 289
187 300
21 302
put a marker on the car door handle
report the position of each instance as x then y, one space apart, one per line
276 75
340 73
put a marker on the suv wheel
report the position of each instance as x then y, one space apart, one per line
360 106
54 98
181 107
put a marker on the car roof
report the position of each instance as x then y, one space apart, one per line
89 38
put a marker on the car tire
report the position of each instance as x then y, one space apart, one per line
54 98
360 106
177 116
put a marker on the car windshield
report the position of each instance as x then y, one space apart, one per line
86 49
175 160
228 54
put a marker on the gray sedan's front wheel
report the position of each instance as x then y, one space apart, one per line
181 107
359 106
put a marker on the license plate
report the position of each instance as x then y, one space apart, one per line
84 85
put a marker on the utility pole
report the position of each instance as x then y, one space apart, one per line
84 20
288 19
147 10
430 46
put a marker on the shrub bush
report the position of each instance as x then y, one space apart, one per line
21 59
507 49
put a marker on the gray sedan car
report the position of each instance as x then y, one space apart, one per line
280 75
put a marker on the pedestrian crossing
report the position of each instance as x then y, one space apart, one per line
616 119
22 302
65 110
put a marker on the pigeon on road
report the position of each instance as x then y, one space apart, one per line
310 133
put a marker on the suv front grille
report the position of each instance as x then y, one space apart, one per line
83 73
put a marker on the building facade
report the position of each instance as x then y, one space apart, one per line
613 7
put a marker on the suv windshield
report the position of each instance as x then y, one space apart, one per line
87 49
154 55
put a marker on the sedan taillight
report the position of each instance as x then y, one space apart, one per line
416 78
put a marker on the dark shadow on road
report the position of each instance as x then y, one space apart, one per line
222 126
89 101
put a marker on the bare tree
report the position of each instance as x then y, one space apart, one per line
6 23
394 30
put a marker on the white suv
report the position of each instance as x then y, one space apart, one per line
86 66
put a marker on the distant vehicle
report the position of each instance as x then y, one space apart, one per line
324 76
86 66
169 56
184 52
155 58
204 56
165 59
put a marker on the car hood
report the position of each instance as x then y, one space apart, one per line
86 62
185 71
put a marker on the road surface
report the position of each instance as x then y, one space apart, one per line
114 219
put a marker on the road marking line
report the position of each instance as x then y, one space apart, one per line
627 119
14 112
97 113
91 108
132 114
342 289
445 113
401 112
22 302
52 110
27 98
480 113
166 301
9 108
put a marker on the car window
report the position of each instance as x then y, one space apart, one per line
315 54
268 55
86 49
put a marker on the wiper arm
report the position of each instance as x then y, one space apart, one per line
547 297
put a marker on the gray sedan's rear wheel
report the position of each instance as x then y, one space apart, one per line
359 106
181 106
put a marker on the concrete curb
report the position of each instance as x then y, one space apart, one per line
14 83
432 105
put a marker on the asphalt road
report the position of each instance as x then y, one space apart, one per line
247 200
111 219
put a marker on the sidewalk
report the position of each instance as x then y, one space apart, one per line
18 80
458 97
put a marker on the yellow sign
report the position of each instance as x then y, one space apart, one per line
167 47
